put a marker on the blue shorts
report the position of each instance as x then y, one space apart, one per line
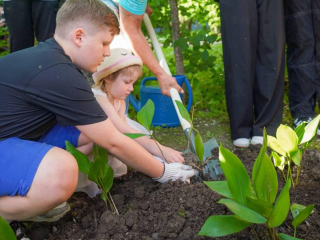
20 159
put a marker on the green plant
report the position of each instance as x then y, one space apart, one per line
4 41
6 232
98 171
253 202
198 140
290 145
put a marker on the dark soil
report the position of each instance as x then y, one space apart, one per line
175 210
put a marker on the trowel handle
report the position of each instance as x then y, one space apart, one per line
175 96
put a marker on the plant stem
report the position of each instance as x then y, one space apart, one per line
295 232
298 173
158 147
113 203
254 231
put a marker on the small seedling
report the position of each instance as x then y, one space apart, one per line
289 146
252 202
98 171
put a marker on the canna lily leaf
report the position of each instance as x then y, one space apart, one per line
100 152
135 135
297 157
281 207
199 147
145 115
300 130
287 237
296 209
218 226
183 111
220 187
97 170
237 177
6 232
311 130
82 160
275 145
243 212
260 206
278 161
303 214
287 138
257 164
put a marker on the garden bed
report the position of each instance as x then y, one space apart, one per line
175 210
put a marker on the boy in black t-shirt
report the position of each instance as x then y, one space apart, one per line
45 100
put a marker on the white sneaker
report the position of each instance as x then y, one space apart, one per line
257 140
242 142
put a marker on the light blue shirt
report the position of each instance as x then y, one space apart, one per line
137 7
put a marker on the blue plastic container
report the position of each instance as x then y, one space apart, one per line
165 114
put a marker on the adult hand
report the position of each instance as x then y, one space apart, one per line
172 156
175 171
166 82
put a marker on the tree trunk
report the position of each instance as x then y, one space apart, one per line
175 36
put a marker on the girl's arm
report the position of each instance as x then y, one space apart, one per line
119 122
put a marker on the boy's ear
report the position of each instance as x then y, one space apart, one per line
78 36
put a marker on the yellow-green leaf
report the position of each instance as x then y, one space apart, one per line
279 161
199 147
275 146
311 130
287 138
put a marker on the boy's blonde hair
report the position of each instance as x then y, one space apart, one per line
127 71
92 13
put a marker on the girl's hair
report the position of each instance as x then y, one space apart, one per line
127 71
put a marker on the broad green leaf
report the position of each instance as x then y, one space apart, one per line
275 146
287 138
97 170
243 212
311 130
266 182
300 130
220 187
135 135
183 111
237 177
107 180
297 157
199 147
82 160
287 237
6 232
100 152
278 161
303 215
263 207
257 164
281 207
145 115
296 209
218 226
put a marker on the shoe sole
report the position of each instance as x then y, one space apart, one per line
43 219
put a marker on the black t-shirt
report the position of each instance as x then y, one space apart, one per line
41 86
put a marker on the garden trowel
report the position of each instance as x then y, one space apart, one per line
212 167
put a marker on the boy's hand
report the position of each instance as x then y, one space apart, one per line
175 171
172 156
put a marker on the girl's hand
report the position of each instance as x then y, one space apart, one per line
171 155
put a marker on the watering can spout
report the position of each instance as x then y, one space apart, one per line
134 102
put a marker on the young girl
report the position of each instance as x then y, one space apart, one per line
114 81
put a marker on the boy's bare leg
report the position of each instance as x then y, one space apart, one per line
54 182
85 145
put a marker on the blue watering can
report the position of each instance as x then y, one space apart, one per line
165 114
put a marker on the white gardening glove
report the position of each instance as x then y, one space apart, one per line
175 171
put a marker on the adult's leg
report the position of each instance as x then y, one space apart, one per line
44 18
54 182
316 29
269 82
300 56
239 40
19 22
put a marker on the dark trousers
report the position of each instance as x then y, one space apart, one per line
253 41
28 19
302 21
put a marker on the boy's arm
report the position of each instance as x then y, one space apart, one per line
131 25
128 151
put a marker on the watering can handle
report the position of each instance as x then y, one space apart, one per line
163 63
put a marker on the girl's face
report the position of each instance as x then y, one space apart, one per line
122 86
